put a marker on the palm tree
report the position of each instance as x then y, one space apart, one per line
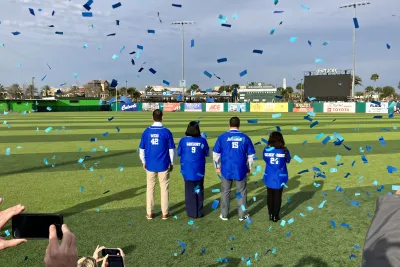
3 92
374 77
359 94
388 92
289 91
45 91
194 87
131 91
149 88
358 81
368 92
284 93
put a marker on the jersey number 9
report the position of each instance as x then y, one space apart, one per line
193 149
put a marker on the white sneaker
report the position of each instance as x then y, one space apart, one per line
223 218
244 218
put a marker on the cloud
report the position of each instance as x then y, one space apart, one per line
38 44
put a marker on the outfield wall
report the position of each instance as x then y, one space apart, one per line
68 105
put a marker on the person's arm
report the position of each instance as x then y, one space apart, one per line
142 147
180 148
171 146
5 217
206 148
381 247
217 153
288 157
250 153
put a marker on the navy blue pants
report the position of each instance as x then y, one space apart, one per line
194 201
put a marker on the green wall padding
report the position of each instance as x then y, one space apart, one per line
318 107
290 104
361 107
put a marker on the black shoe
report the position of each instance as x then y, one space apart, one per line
275 219
270 217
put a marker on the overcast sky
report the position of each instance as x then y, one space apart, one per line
38 45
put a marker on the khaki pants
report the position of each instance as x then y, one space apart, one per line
163 178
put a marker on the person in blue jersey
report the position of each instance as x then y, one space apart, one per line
233 155
276 156
157 155
193 150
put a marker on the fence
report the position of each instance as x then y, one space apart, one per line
68 105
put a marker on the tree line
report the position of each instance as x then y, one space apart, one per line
16 91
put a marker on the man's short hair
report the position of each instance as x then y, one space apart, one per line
234 122
157 115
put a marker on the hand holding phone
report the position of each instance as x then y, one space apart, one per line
5 216
36 225
64 254
116 260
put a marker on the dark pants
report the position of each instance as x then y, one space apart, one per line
274 201
194 201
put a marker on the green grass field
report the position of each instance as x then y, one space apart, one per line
117 218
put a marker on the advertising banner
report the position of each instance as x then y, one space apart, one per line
150 106
215 107
303 110
129 107
280 107
172 107
261 107
303 107
373 108
338 107
237 107
193 107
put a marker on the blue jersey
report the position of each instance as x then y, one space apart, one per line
276 171
234 147
156 142
193 152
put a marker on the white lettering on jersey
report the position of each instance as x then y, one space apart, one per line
154 135
270 155
280 155
193 144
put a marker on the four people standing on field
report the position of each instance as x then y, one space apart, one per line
233 157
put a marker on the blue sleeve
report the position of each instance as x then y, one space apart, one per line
180 148
217 147
206 148
250 147
288 157
143 140
171 144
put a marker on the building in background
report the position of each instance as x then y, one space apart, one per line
97 88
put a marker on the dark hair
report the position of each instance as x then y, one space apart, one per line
234 122
157 115
193 129
276 140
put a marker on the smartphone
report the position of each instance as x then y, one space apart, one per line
36 225
110 251
115 261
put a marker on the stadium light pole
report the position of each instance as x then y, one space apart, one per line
181 22
354 5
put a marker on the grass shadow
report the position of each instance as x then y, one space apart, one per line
306 193
233 262
293 183
81 207
313 262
